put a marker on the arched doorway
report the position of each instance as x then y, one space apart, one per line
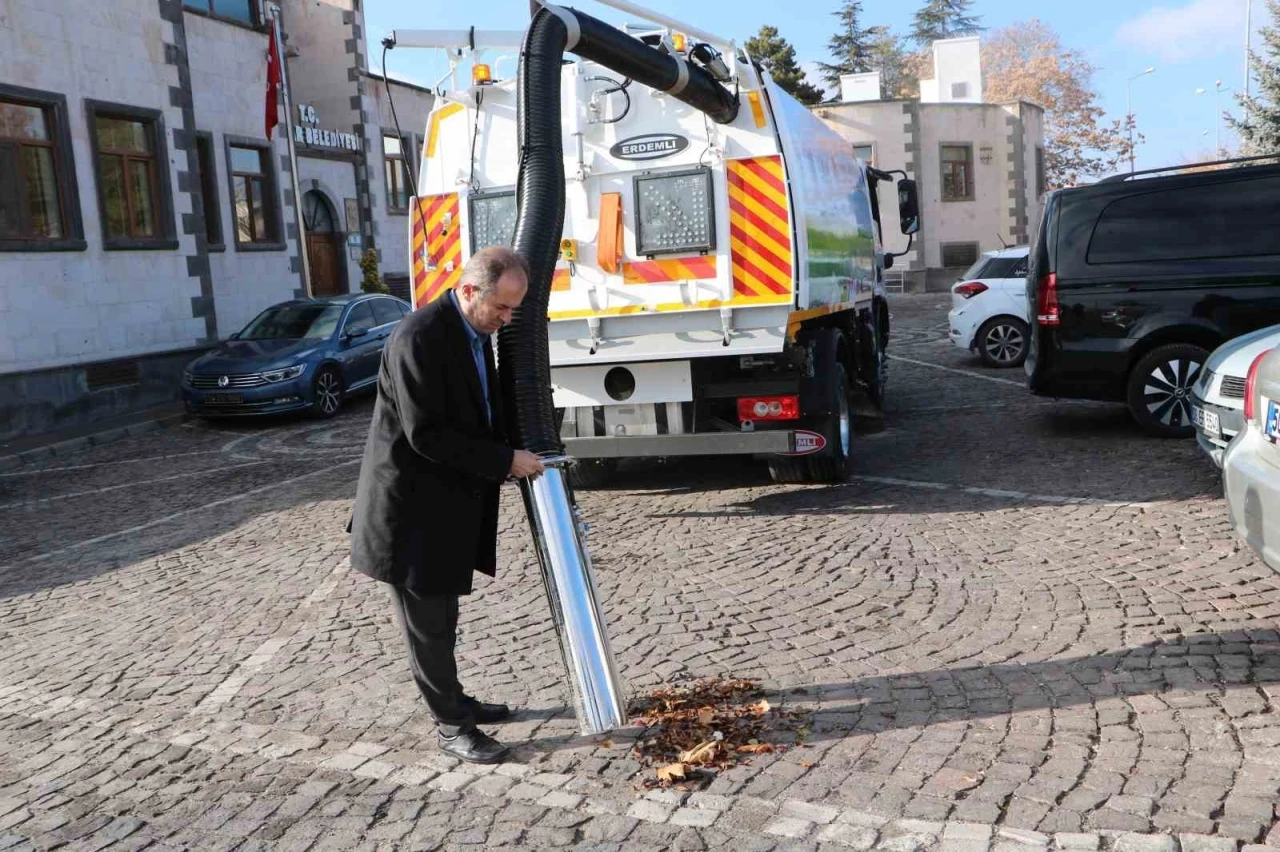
324 244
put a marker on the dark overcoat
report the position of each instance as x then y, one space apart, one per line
426 509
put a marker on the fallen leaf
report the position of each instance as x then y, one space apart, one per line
700 753
756 748
606 744
807 764
670 771
705 715
761 707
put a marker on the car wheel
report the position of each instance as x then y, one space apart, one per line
328 392
1160 389
1002 342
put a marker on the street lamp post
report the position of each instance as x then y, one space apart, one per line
1217 132
1129 111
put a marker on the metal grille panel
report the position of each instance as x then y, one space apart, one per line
1233 387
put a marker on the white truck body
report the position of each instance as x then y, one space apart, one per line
683 240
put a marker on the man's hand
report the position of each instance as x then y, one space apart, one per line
525 463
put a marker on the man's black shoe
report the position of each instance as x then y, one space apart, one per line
473 746
488 714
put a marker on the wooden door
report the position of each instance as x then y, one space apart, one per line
324 255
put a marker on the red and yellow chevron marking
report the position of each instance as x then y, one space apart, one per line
430 238
669 269
760 240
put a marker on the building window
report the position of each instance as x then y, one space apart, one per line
253 196
1040 184
959 255
237 11
865 153
957 172
397 170
131 163
39 209
209 192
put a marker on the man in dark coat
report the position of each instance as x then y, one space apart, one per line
426 510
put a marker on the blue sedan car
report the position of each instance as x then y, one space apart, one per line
304 354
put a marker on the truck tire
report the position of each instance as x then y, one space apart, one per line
788 469
1160 383
832 464
876 362
592 473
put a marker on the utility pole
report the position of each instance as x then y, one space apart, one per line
1248 42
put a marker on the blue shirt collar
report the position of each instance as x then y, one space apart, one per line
472 334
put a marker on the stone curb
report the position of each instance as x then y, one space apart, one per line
84 442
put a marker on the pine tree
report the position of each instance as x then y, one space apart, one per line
1259 128
849 46
778 57
940 19
888 55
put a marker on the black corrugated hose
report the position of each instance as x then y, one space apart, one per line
522 345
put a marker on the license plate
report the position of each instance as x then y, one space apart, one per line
1206 420
223 398
1271 427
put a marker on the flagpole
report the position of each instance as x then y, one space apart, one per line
293 151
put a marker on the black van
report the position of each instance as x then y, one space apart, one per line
1136 279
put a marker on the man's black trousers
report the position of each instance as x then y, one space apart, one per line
429 624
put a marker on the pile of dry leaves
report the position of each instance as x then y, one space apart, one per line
693 731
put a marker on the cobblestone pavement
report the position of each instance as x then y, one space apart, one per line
1020 625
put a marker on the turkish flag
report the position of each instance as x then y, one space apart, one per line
273 79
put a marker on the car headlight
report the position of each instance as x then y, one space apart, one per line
285 374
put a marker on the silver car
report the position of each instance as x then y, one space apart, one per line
1217 398
1251 467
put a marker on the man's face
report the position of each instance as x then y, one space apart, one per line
492 312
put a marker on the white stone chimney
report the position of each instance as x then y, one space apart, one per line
957 73
860 87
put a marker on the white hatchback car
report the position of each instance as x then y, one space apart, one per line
989 308
1217 398
1251 467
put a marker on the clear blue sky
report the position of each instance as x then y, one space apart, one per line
1191 43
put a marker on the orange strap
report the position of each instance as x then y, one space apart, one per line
609 241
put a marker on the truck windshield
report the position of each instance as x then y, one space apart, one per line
293 322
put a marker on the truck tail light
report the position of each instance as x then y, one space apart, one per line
1048 314
969 289
768 408
1251 383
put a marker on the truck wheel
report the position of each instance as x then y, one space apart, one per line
877 364
1160 389
832 464
592 473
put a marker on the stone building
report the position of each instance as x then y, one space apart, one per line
979 166
144 215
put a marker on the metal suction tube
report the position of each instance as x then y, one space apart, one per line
566 574
525 374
